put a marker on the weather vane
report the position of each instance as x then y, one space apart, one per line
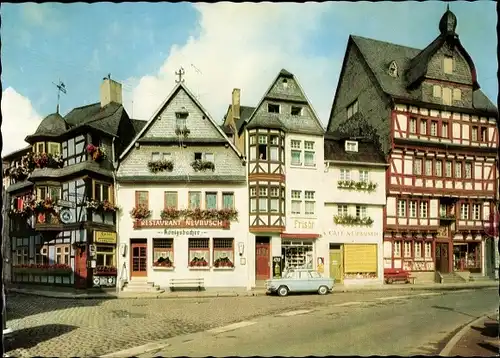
180 73
60 88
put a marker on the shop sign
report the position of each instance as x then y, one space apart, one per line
105 237
183 232
181 224
303 224
352 233
65 216
66 203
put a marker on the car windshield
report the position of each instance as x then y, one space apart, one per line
315 274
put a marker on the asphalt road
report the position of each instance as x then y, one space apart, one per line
395 324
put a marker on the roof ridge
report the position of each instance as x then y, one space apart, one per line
386 42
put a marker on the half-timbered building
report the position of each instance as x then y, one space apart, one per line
182 186
439 133
62 217
284 146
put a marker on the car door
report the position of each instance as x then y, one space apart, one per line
304 281
293 282
315 280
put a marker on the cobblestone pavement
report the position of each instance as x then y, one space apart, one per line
481 340
71 327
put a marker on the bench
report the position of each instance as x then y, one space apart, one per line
394 275
186 283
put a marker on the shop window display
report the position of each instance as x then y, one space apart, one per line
297 254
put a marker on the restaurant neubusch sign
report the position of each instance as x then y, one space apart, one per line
181 224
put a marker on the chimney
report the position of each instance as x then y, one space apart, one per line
111 91
236 103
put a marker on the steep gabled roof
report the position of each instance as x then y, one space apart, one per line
272 121
138 124
379 54
368 152
167 100
105 119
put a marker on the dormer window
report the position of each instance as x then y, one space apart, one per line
296 111
39 147
273 108
393 69
351 146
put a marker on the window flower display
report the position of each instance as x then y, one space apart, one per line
98 154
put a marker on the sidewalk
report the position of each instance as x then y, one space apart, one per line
480 340
71 294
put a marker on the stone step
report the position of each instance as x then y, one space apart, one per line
141 289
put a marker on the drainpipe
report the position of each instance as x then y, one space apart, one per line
119 273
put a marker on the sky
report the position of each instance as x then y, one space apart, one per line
220 46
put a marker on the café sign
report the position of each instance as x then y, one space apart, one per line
182 224
105 237
351 233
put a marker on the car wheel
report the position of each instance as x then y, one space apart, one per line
283 291
323 290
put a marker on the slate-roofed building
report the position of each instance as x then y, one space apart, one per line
439 134
61 189
183 188
284 150
354 198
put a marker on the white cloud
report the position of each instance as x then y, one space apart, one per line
42 15
19 119
243 46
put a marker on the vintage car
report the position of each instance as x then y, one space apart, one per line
300 280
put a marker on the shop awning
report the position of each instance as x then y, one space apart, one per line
299 236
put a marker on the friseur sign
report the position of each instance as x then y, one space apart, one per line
182 224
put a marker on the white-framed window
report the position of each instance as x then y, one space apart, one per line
423 126
194 199
199 251
428 167
423 209
309 153
164 249
407 249
210 200
402 208
228 200
468 170
417 249
263 199
363 175
296 152
476 211
458 170
417 167
253 205
310 202
464 211
413 125
457 94
397 248
439 168
253 191
62 254
22 256
444 130
345 174
296 201
484 137
447 96
448 169
351 146
413 208
273 108
223 252
428 250
474 133
361 211
170 199
434 128
262 191
342 210
352 109
448 65
275 191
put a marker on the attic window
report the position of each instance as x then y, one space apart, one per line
182 114
448 64
352 109
296 111
285 83
393 69
273 108
351 146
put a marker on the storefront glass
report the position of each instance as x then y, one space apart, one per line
297 254
467 256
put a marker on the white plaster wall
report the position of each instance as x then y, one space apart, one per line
241 276
304 178
334 195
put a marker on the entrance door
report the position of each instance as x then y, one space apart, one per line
81 267
138 258
442 260
336 263
262 257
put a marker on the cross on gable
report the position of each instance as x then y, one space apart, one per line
180 73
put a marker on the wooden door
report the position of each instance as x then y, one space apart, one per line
442 257
81 270
336 265
262 268
139 260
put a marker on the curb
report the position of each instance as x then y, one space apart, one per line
457 337
171 296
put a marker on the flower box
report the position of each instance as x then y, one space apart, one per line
97 153
199 214
202 165
163 262
160 166
101 206
32 161
18 173
140 212
352 220
356 185
182 131
105 271
223 262
42 270
198 263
